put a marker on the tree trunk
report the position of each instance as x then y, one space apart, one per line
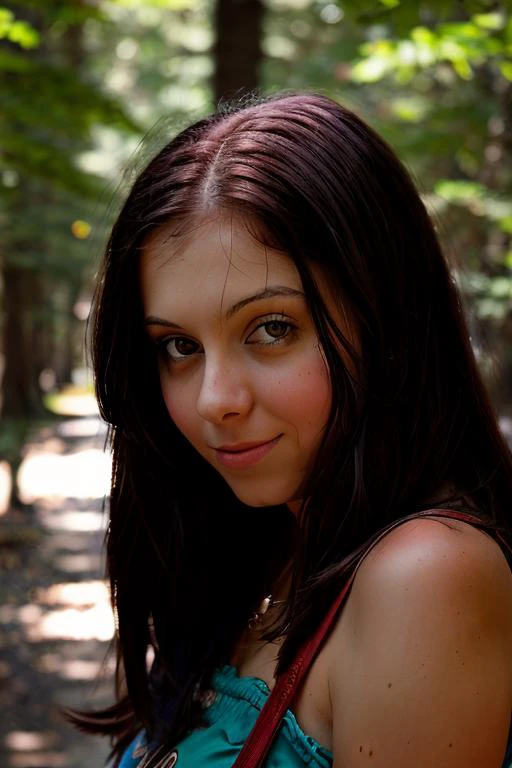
29 331
21 392
237 50
67 342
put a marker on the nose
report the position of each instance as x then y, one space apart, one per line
225 391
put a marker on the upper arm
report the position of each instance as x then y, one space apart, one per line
421 659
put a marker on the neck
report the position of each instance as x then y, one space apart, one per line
295 506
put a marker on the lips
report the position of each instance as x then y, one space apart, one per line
244 454
240 447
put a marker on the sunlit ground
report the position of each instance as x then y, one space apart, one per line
51 471
5 486
55 615
73 402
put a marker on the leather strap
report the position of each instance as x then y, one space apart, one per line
260 739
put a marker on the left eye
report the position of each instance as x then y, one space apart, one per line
276 328
270 332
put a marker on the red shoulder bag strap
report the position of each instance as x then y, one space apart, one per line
280 699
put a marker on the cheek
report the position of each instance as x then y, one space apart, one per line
180 407
303 392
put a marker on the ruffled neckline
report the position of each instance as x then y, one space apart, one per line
228 682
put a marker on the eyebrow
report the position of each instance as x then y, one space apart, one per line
268 293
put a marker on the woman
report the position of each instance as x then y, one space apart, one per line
282 357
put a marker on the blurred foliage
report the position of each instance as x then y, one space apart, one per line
448 92
17 31
51 107
84 80
435 79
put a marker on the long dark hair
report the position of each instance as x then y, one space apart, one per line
187 561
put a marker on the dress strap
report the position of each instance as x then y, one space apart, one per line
260 739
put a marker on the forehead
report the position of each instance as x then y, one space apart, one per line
217 257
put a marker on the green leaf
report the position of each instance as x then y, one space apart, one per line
458 191
461 31
462 68
501 287
173 5
491 308
491 21
506 224
423 36
410 109
18 32
506 69
6 19
370 70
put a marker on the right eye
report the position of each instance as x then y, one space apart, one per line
179 347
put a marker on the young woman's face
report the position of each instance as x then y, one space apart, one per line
241 369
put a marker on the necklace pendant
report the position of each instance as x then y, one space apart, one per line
264 605
257 616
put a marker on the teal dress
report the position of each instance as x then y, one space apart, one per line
230 712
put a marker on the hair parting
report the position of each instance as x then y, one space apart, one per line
410 414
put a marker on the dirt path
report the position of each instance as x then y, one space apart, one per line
55 620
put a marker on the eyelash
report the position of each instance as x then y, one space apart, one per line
163 343
277 320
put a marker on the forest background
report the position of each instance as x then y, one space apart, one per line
82 82
89 89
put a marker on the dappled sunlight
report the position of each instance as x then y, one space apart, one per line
7 614
28 740
86 613
54 632
48 445
84 474
34 750
82 404
82 428
78 563
79 669
73 545
74 593
5 486
38 760
81 521
30 614
94 623
70 541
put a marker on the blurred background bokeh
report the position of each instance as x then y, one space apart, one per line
88 90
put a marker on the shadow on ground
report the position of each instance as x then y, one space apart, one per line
55 617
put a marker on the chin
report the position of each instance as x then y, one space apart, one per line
260 498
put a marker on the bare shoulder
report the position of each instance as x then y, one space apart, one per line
446 576
421 658
434 554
